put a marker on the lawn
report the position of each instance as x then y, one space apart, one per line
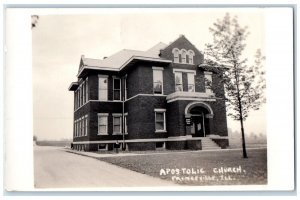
200 167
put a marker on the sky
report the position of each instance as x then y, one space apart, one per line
59 40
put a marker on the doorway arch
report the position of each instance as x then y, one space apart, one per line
200 114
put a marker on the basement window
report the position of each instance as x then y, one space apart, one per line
160 145
102 147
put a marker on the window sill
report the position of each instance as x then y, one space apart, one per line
102 134
117 133
160 131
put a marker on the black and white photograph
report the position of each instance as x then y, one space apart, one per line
159 97
151 99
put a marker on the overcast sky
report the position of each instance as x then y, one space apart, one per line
60 40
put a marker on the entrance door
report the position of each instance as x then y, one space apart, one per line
198 126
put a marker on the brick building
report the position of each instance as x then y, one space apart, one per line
164 97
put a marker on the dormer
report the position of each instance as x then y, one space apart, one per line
182 51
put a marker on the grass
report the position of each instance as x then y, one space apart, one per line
175 166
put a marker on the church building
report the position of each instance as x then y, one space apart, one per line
161 98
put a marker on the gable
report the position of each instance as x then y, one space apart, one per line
184 46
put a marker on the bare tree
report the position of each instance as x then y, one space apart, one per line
244 84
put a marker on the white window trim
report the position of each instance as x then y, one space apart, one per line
115 77
160 110
103 76
87 89
188 82
74 135
162 84
191 55
78 133
84 92
181 52
102 115
185 70
181 79
208 90
80 95
125 123
121 123
158 68
106 147
125 88
117 114
78 128
82 126
86 125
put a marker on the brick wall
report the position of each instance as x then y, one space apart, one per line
141 116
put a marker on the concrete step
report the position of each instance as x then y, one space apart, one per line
208 144
213 147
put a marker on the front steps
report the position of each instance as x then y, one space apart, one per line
208 144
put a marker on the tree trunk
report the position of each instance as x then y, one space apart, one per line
243 139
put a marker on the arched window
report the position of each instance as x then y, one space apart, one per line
176 52
183 56
191 55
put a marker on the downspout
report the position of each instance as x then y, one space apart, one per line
203 124
123 118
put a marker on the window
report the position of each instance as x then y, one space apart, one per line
191 57
79 132
125 86
160 145
157 80
81 96
75 128
102 123
83 126
83 93
117 123
77 100
183 56
178 82
208 82
191 82
160 120
86 125
86 90
117 89
102 146
175 52
103 88
125 123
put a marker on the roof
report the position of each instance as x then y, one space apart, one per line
73 86
117 60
